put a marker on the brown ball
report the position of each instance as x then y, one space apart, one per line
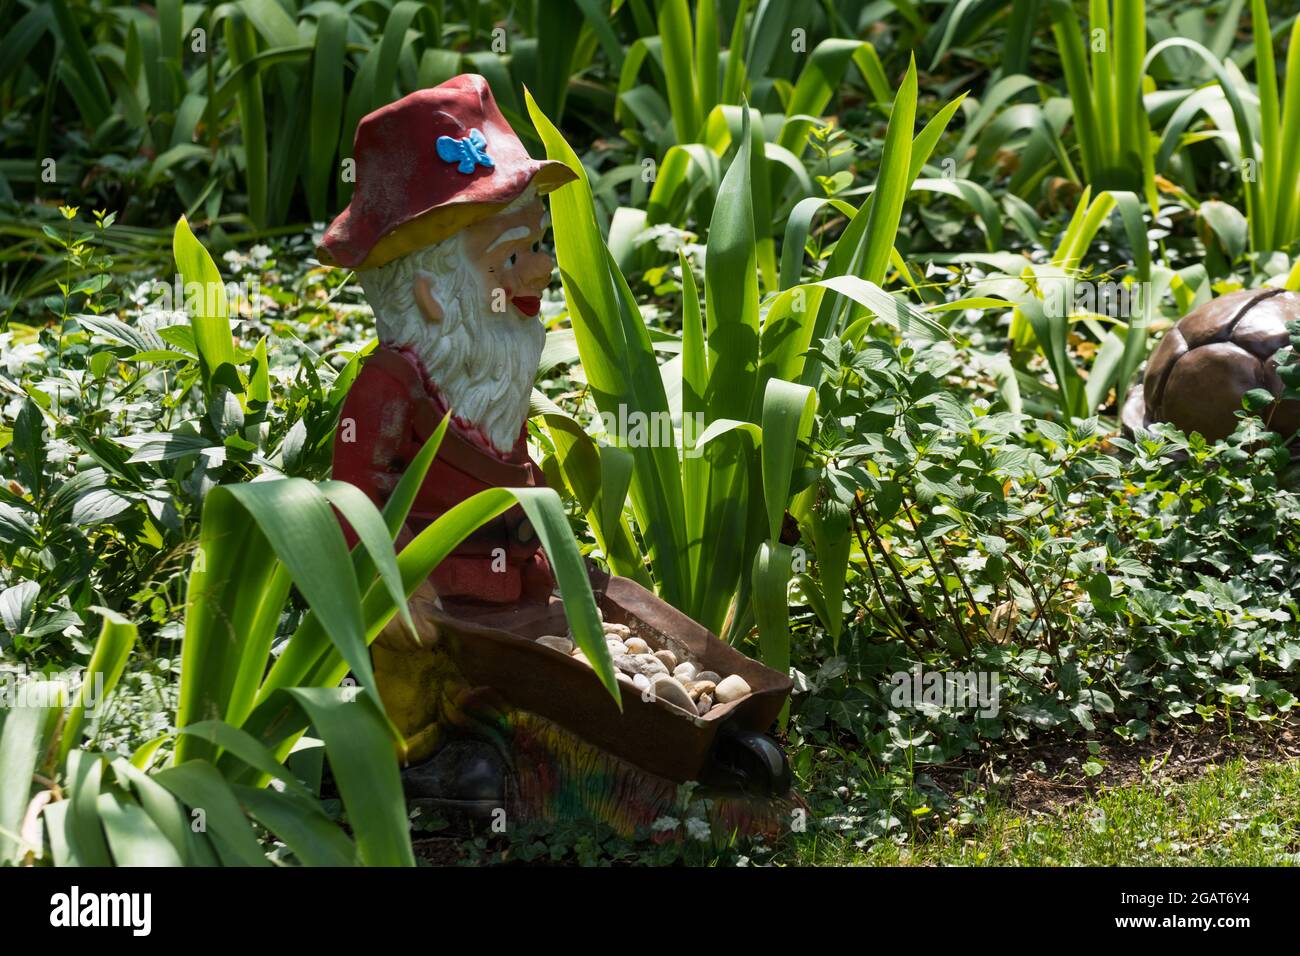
1212 357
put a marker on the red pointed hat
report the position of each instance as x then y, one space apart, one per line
429 165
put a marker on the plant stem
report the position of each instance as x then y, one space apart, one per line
938 578
970 596
898 578
1038 604
897 623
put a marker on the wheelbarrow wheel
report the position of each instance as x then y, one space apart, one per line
751 761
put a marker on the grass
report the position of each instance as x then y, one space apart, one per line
1236 814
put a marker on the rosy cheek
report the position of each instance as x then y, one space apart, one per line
493 276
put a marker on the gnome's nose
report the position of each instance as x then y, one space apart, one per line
540 267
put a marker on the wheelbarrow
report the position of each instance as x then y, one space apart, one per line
478 674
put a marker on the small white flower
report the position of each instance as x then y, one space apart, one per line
57 450
18 357
666 238
235 259
698 829
665 824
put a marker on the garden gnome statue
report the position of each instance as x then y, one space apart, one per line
444 231
1203 367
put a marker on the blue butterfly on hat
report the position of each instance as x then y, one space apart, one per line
468 151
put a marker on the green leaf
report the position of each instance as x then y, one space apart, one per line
892 181
164 810
788 411
107 661
241 42
678 46
364 765
617 357
78 69
82 831
546 512
771 575
1257 399
312 836
247 749
21 744
373 536
833 541
205 295
818 81
1256 210
133 838
310 659
214 810
731 291
595 476
1228 224
238 590
326 108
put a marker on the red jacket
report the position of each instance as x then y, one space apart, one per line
389 413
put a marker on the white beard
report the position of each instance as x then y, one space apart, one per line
482 362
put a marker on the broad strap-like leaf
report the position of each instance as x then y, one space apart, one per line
215 810
249 750
164 810
133 838
617 355
310 835
292 520
107 661
364 766
83 833
22 742
788 411
771 579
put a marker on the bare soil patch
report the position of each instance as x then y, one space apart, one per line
1048 776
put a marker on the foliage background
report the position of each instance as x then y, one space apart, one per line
945 462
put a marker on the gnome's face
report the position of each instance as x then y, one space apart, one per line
506 251
468 307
